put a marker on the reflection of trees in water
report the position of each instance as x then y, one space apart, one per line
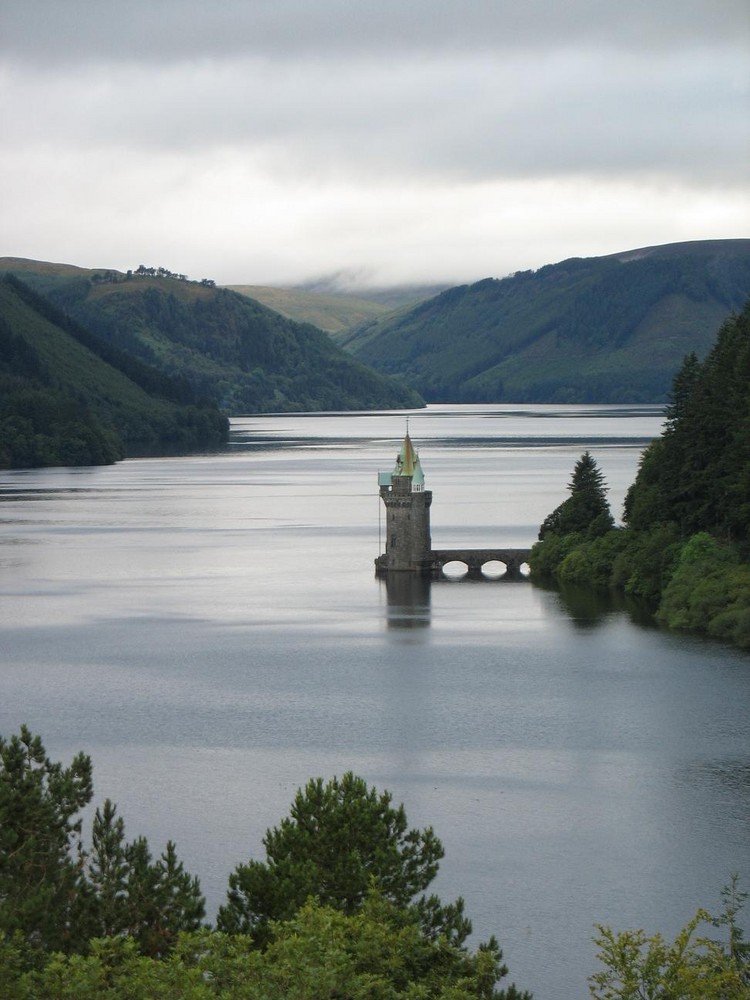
588 607
730 778
409 600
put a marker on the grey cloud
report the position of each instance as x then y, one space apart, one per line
311 133
578 112
163 31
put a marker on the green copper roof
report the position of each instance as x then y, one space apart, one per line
408 464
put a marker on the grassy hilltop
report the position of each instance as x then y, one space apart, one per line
332 313
333 309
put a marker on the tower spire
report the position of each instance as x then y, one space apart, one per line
407 505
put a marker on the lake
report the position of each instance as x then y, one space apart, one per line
210 630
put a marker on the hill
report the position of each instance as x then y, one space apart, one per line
229 348
332 308
602 329
66 398
332 313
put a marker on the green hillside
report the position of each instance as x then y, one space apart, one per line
66 398
332 313
333 309
602 329
229 348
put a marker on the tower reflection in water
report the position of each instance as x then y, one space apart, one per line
408 596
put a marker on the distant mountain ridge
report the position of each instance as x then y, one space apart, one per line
610 329
332 313
332 308
229 348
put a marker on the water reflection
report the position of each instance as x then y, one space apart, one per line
732 775
408 597
588 608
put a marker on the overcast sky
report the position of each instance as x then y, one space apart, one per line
276 141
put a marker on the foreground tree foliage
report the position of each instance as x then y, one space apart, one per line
40 842
686 545
340 839
378 952
55 895
332 914
692 967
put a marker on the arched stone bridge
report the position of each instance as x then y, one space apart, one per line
476 558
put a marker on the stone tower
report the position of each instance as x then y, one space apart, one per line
407 506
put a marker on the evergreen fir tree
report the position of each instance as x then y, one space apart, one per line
55 895
586 511
40 843
697 475
131 895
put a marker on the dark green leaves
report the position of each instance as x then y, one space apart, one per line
586 511
113 922
341 839
55 895
40 841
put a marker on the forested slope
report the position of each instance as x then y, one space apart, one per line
602 329
229 348
67 398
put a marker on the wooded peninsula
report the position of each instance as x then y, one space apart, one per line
685 546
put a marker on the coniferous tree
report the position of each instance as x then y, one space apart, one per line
40 842
129 894
340 839
683 386
686 544
54 894
697 475
586 511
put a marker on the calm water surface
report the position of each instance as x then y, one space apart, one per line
209 629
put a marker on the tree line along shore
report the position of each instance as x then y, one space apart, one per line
685 547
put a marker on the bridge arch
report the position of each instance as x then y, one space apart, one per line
454 569
491 564
493 569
